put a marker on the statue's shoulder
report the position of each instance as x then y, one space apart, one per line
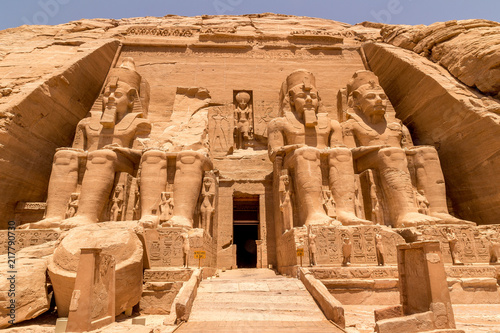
324 121
350 123
88 119
277 123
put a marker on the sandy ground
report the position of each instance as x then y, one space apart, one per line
472 318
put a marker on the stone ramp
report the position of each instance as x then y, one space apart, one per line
255 300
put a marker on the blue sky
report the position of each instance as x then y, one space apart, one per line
18 12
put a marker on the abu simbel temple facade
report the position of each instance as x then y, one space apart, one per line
148 165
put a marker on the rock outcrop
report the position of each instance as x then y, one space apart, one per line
469 49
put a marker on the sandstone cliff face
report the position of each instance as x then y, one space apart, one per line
462 124
48 85
469 49
51 75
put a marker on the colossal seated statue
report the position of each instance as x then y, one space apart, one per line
190 168
105 143
300 137
177 163
387 148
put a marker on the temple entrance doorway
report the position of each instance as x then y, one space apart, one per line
246 230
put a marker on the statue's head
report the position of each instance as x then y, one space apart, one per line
208 181
242 98
121 91
299 91
366 95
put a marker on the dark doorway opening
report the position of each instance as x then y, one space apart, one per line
246 230
246 248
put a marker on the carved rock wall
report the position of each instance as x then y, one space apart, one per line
461 123
53 87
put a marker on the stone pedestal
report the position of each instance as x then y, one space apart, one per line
425 298
116 239
165 247
93 299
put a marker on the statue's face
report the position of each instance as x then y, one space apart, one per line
372 101
243 105
118 98
304 100
286 181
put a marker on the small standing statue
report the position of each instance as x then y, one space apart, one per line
72 205
166 206
494 247
379 246
117 203
185 249
243 117
452 241
346 251
423 203
312 248
207 206
376 216
286 202
136 211
329 204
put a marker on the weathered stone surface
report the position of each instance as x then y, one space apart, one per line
116 239
29 286
457 121
224 151
63 69
469 49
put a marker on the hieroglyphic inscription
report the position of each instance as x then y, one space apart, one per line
470 272
220 129
26 238
329 244
231 53
471 247
165 247
355 273
169 275
218 30
31 206
161 32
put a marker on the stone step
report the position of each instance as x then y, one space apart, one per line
259 327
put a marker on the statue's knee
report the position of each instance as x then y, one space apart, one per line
65 157
153 156
340 155
103 156
307 153
427 153
392 153
190 157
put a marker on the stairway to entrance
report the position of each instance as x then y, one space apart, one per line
255 300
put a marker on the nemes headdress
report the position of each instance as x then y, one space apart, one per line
300 77
127 74
361 78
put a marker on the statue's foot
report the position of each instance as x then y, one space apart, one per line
179 221
49 223
149 221
415 219
75 221
448 219
321 219
351 219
